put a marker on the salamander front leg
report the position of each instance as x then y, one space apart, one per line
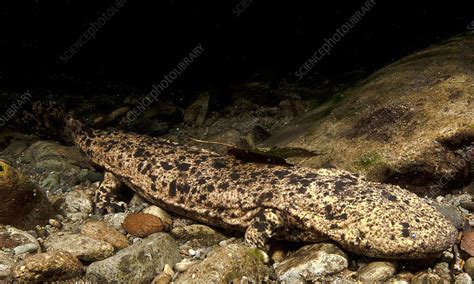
106 195
263 227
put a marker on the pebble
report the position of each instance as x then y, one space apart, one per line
6 264
160 213
14 231
165 276
200 235
102 231
142 224
227 264
403 277
77 201
137 263
184 265
49 266
55 223
451 213
41 232
376 271
115 221
312 261
469 266
463 278
81 246
77 216
26 248
278 256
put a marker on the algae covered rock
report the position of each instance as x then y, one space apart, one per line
233 262
138 263
311 263
23 205
408 123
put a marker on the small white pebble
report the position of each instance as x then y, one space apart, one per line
55 223
184 265
26 248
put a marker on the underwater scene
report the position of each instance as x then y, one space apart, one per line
236 142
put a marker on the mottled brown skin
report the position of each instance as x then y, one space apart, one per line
265 201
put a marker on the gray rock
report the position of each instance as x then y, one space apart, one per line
52 180
444 272
83 247
311 262
6 264
451 213
67 164
426 277
230 263
50 266
138 263
376 271
26 248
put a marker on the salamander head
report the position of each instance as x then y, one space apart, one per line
44 119
393 223
47 120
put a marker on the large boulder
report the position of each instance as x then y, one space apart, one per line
411 123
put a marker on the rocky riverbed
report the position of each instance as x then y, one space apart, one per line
421 138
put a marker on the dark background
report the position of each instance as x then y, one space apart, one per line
270 39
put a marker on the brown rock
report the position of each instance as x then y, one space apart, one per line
467 242
80 246
142 224
377 271
22 204
50 266
102 231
